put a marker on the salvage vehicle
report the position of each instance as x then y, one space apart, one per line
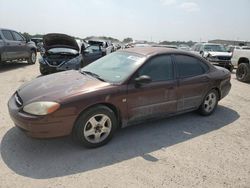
39 43
61 52
106 46
123 88
240 60
14 46
215 54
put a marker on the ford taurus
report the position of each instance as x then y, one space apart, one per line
120 89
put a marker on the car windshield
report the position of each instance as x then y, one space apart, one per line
116 67
62 50
214 48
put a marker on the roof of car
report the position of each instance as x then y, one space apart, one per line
147 51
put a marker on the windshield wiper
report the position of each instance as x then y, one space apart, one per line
93 75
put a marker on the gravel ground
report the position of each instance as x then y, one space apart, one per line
182 151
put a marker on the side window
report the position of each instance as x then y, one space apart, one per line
7 34
188 66
0 37
159 68
93 48
17 36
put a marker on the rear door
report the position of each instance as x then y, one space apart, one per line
156 98
11 46
193 81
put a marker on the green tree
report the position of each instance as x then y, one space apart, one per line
127 40
26 35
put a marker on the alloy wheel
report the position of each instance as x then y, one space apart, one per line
97 128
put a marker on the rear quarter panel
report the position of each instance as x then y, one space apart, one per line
221 80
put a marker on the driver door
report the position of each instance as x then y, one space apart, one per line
156 98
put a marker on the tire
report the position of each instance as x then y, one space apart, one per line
32 58
209 103
43 70
230 67
90 131
243 72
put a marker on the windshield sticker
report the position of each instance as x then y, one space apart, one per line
134 58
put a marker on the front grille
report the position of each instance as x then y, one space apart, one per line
224 58
18 100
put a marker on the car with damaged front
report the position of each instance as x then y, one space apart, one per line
216 54
61 52
123 88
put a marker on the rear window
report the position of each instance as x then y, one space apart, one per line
189 66
7 34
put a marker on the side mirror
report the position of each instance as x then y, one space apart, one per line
201 52
144 79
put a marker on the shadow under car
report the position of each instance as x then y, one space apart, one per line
42 159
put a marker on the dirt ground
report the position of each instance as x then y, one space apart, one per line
182 151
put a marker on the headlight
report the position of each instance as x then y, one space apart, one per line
41 108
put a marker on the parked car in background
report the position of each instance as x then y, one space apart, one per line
116 46
184 47
141 45
164 46
92 52
241 61
38 42
120 89
106 46
61 53
231 48
215 54
245 47
14 46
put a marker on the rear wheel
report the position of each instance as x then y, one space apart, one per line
243 72
209 103
95 127
32 58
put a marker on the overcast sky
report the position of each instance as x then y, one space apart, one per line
140 19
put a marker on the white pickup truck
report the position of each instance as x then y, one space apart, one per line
241 60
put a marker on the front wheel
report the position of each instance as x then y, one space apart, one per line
32 58
95 127
209 103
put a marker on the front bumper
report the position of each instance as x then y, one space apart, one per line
226 64
73 64
49 126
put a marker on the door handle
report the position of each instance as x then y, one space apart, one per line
7 43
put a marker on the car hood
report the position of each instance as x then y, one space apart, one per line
220 53
57 40
59 86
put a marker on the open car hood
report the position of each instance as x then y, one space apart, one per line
57 40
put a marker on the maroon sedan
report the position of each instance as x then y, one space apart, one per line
120 89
